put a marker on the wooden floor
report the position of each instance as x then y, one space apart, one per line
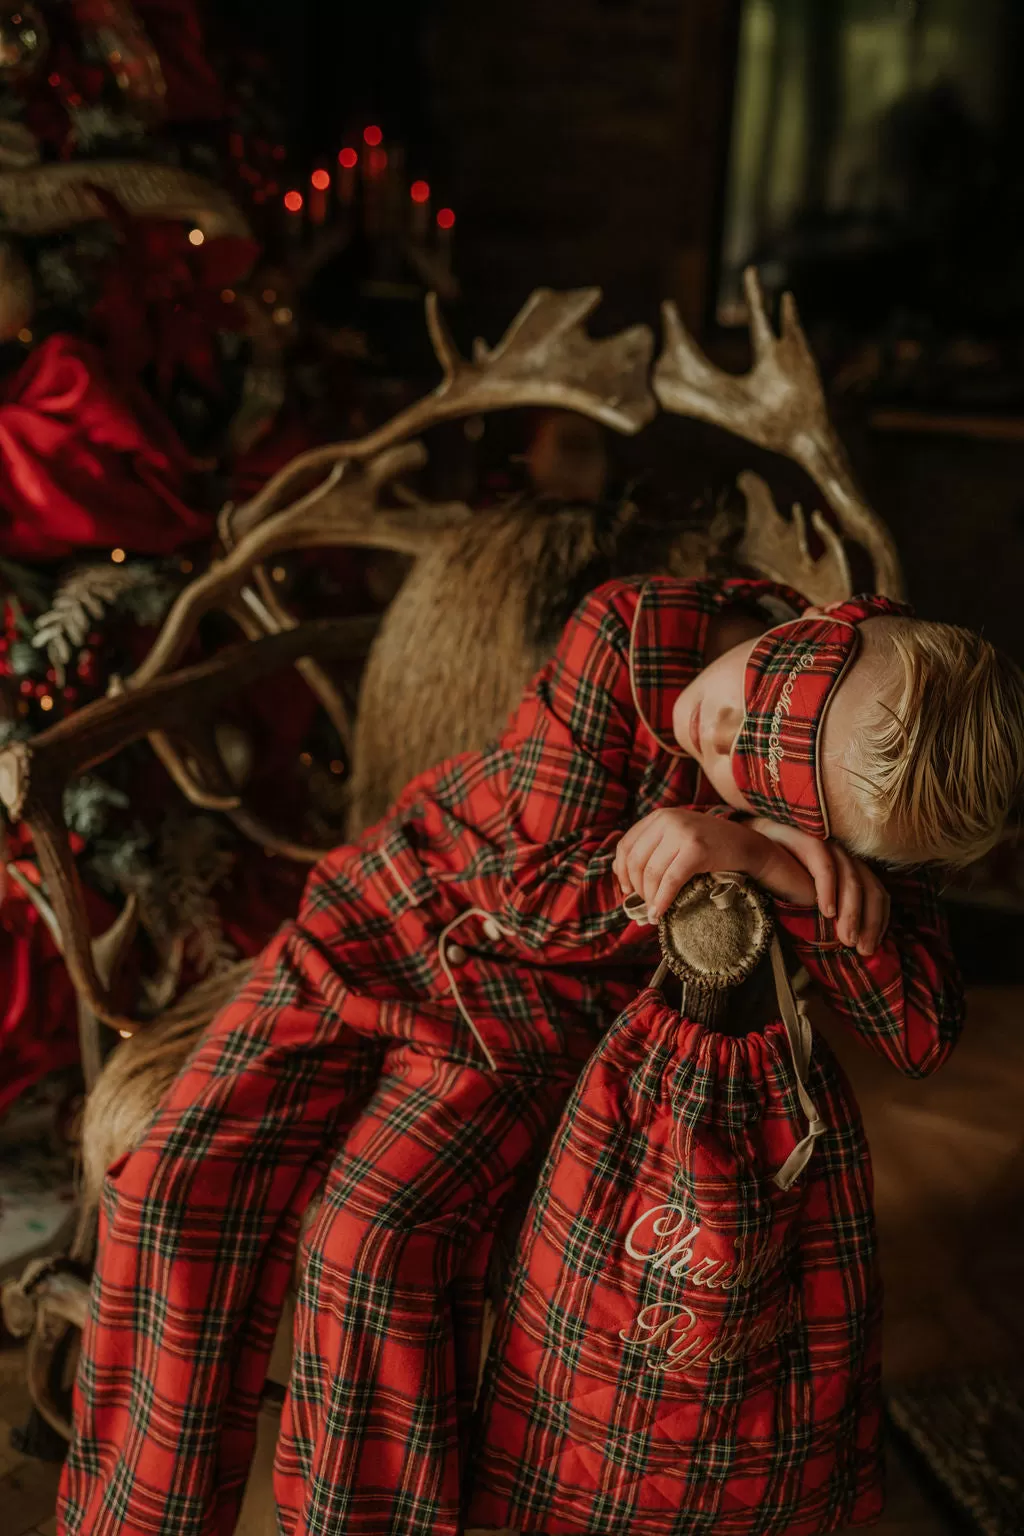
950 1199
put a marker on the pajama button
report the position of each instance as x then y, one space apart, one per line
491 929
456 955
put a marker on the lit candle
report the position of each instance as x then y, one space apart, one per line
419 192
375 164
320 183
294 203
348 159
395 191
445 225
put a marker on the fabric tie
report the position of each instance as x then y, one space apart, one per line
799 1034
801 1040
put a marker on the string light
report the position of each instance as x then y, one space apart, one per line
196 237
420 191
348 159
445 218
321 180
270 296
25 336
228 295
283 316
117 555
373 136
378 160
46 702
293 201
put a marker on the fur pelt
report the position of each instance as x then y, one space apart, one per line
136 1077
475 619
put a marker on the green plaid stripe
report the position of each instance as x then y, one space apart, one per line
347 1055
579 1430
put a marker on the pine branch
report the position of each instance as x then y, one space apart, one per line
83 599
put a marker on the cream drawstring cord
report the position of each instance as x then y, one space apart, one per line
801 1040
796 1022
442 952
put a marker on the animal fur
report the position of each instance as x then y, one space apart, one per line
136 1077
475 619
472 623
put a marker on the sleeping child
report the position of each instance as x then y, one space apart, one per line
410 1041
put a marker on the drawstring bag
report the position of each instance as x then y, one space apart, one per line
690 1339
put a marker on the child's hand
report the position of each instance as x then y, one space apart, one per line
846 888
659 855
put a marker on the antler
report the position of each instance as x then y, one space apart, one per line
780 405
108 953
50 1297
778 547
33 774
545 358
51 197
341 511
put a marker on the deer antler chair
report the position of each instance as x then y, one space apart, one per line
445 667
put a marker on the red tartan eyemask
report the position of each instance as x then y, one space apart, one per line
790 680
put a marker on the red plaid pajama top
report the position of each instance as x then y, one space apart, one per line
413 1036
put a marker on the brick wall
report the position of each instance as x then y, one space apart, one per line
585 140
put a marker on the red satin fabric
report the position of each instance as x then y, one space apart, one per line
82 467
38 1013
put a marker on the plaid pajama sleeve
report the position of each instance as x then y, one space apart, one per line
569 795
906 1000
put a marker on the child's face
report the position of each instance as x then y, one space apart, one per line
707 716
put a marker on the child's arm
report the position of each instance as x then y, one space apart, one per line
568 795
570 798
906 998
876 946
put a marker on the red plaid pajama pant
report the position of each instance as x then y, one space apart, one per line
198 1240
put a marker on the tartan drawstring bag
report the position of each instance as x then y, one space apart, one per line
690 1337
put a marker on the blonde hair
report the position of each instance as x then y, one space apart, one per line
937 775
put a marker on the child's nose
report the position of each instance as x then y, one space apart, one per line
724 731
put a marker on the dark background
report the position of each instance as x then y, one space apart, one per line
597 141
866 153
